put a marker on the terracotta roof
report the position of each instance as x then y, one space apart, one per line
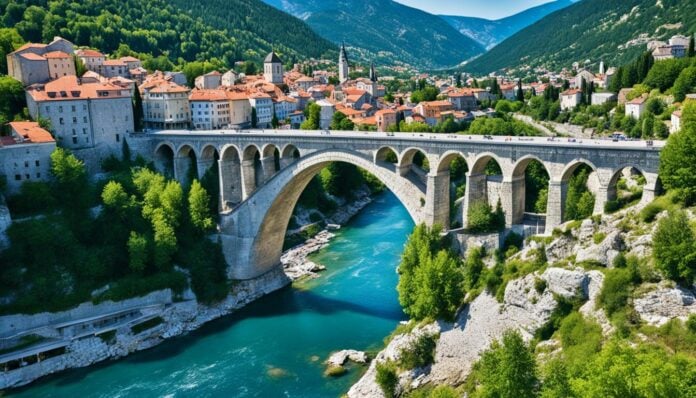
70 88
56 54
638 101
32 57
236 96
169 87
208 95
88 52
29 45
129 59
31 132
385 112
574 91
114 62
436 103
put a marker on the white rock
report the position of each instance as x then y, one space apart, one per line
566 283
604 252
660 306
339 358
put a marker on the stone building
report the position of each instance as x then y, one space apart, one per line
29 64
165 104
92 59
83 115
240 110
570 99
463 100
229 78
385 118
210 109
209 81
25 155
273 69
60 64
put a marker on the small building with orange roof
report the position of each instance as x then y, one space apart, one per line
25 155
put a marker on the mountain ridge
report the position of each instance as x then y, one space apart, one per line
389 31
490 32
615 31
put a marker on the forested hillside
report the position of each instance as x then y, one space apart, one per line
232 30
615 31
385 30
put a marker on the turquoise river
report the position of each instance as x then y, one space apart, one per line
275 346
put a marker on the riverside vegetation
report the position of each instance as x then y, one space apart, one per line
573 354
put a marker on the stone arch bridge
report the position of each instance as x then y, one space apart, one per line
263 173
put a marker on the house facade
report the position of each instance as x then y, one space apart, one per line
25 155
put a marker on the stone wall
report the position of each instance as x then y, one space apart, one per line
13 324
5 222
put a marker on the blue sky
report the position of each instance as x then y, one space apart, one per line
490 9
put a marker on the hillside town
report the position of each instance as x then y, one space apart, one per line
92 113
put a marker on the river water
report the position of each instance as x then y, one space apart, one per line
275 346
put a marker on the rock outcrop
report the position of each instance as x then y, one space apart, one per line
341 357
660 306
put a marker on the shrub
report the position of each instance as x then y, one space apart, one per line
420 353
612 206
674 248
539 285
33 197
616 289
649 212
599 237
387 379
481 218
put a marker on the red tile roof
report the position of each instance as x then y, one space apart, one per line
56 55
31 132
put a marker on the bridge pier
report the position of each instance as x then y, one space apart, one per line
437 202
604 194
248 178
203 165
230 183
182 169
555 205
512 193
268 167
476 190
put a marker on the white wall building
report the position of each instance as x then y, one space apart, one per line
273 69
676 122
165 105
327 112
229 78
570 99
209 81
263 104
210 109
83 115
635 107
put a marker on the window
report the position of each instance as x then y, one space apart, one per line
84 131
38 175
26 163
84 119
74 140
18 177
60 108
74 119
60 121
74 108
118 138
38 164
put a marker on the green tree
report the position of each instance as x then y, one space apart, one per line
674 247
199 207
678 158
137 110
137 252
691 51
520 93
10 40
313 114
250 68
507 369
274 121
12 98
685 83
115 197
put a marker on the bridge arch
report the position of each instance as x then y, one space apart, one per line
164 159
230 177
252 173
523 198
253 234
186 164
454 167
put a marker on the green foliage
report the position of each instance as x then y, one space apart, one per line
678 158
199 207
482 219
473 267
12 98
571 34
617 287
10 40
664 73
33 197
341 179
426 93
674 247
137 251
387 378
159 31
581 338
420 353
313 115
431 282
536 187
507 369
501 126
579 200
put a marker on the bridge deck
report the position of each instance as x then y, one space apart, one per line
593 143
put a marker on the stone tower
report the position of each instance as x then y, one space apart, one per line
601 68
373 73
343 69
273 69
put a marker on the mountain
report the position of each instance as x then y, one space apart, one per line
385 31
488 32
228 30
615 31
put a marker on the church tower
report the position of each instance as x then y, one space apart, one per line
273 69
343 70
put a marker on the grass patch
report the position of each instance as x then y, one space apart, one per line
387 379
149 324
419 353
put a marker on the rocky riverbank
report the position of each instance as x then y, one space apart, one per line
178 318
